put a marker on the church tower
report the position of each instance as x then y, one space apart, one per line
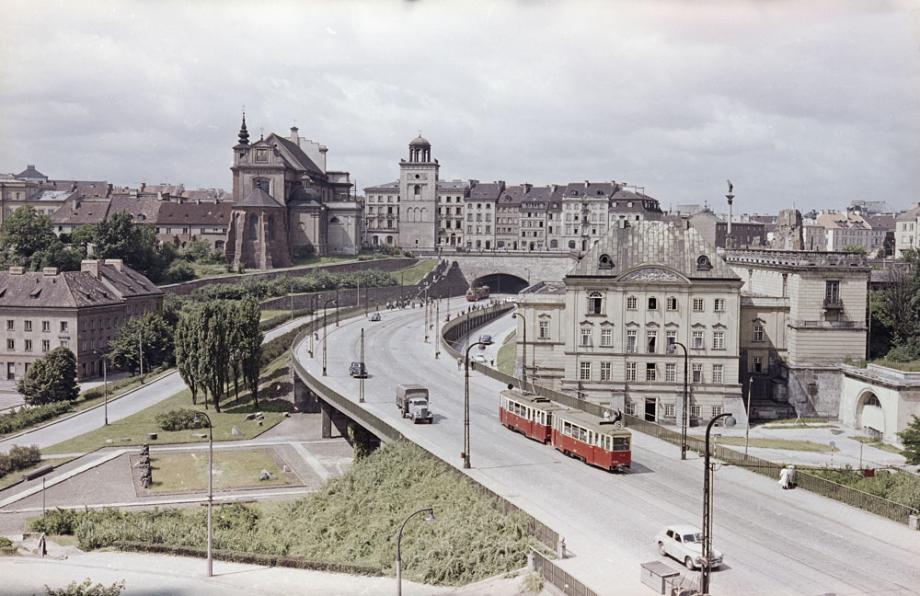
418 194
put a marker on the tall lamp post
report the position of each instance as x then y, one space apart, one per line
105 387
706 566
428 518
466 402
684 411
325 331
524 360
210 487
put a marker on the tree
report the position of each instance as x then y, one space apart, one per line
856 249
118 237
910 436
149 335
250 345
51 378
26 231
215 350
897 307
188 350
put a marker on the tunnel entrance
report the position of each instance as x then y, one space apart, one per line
502 283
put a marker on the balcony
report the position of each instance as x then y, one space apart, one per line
833 303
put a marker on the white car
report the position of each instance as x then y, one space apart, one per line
685 543
479 358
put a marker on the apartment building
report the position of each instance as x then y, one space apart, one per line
907 231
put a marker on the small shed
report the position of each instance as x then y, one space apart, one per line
655 574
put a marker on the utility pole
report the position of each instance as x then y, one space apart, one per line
361 380
426 315
291 294
140 352
437 329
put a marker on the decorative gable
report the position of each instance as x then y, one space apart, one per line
652 274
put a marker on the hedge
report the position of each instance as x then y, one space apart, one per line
280 286
181 419
26 416
19 458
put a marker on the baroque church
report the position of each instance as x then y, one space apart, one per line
287 204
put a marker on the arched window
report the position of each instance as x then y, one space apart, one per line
604 262
554 243
417 190
572 244
703 263
872 400
595 303
334 220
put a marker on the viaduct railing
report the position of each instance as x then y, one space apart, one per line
455 331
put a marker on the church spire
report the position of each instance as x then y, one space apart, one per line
244 134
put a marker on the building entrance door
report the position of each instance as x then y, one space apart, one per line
650 408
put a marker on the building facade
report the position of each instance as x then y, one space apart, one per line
907 231
79 310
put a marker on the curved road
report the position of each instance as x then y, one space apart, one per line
775 542
140 399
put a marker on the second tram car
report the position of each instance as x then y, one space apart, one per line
529 414
596 441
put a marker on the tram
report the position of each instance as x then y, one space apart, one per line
531 415
596 441
478 293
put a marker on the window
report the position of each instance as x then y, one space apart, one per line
716 411
630 371
544 330
757 332
606 337
65 343
28 325
631 335
696 411
697 373
630 408
46 326
832 292
594 303
28 345
631 303
586 336
63 326
11 345
718 340
757 364
46 345
697 305
10 324
650 371
697 343
717 373
672 303
652 303
670 373
652 339
718 305
670 336
669 410
584 371
605 371
417 190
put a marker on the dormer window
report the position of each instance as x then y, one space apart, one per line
604 262
703 263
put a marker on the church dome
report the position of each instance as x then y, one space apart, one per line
419 141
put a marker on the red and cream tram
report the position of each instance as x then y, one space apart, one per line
596 441
529 414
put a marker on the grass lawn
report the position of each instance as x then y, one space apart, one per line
268 314
506 355
209 269
237 468
14 477
911 366
414 274
133 429
787 444
871 442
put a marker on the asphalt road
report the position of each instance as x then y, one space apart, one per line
774 541
151 394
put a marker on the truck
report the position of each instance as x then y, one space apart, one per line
412 401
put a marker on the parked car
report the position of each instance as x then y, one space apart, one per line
358 370
685 543
479 358
375 317
485 339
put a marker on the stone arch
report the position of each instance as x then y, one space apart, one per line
870 415
501 283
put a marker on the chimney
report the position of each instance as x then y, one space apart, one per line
118 264
90 266
295 137
50 271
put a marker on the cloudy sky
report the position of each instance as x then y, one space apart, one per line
798 102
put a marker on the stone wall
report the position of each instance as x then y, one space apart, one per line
815 391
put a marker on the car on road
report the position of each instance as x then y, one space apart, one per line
358 370
685 543
375 317
479 358
484 340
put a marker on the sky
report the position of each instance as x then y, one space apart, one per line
805 103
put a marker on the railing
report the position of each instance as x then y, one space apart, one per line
559 578
811 482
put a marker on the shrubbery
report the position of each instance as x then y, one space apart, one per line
87 588
25 417
55 522
19 458
899 487
280 286
181 419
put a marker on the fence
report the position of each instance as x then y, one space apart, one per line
456 330
559 578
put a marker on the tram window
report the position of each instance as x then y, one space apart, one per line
620 444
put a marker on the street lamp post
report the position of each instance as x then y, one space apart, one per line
210 488
325 331
706 567
428 518
437 328
684 410
466 402
524 360
105 387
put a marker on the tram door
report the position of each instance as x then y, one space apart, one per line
650 408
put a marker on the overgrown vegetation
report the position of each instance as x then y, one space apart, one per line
87 588
910 437
353 519
6 546
280 286
898 487
19 458
895 313
16 420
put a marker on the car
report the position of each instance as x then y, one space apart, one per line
685 543
484 340
358 370
375 317
479 358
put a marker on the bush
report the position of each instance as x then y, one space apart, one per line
87 588
25 416
319 281
19 458
178 271
56 522
277 347
181 419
